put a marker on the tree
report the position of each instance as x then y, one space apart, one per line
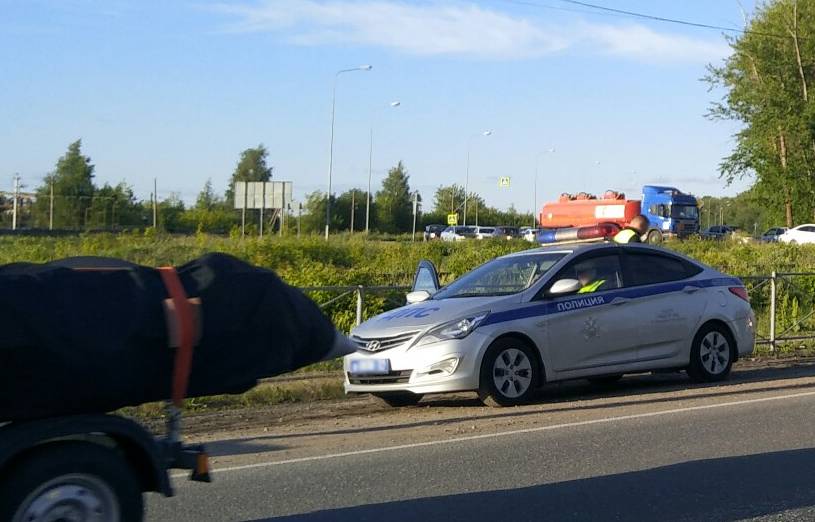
207 199
448 199
394 203
252 166
313 219
72 182
114 207
341 207
767 81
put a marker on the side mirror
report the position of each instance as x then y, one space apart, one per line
418 296
565 286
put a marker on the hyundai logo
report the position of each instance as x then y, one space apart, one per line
372 346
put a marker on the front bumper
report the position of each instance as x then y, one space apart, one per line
410 368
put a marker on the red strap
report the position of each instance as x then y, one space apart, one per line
183 356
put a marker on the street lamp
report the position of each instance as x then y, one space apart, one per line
535 189
391 105
467 178
331 146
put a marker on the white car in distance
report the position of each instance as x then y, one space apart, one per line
802 234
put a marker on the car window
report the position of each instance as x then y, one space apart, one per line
501 276
645 268
588 270
425 280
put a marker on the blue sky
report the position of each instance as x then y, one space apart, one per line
176 90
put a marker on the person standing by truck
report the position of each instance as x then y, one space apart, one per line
633 232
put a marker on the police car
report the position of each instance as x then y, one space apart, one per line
594 311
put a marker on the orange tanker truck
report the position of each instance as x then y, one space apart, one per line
670 213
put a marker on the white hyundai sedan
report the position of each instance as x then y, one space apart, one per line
594 311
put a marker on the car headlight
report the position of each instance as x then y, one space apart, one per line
458 329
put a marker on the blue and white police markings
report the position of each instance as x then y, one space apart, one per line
576 304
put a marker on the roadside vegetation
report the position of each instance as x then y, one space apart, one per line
352 260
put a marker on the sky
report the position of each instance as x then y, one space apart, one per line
176 90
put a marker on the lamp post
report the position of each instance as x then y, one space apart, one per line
392 105
331 145
467 177
535 189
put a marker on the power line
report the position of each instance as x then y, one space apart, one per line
600 9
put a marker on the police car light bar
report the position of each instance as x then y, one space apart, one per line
578 234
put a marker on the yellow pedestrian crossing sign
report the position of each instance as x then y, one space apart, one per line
452 219
503 181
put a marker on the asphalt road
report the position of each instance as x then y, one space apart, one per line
655 448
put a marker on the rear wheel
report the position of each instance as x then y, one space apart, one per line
75 481
711 354
397 399
509 373
654 237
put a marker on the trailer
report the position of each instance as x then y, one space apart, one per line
670 212
96 467
89 467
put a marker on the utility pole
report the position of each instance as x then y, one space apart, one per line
299 214
415 211
14 205
243 211
51 209
155 204
353 200
263 204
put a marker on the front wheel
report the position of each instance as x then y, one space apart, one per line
711 354
654 237
509 373
78 481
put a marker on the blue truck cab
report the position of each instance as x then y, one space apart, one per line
670 212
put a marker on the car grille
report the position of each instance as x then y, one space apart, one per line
377 344
395 377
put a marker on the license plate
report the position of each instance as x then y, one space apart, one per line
371 366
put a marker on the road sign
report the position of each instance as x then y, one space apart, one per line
452 219
503 181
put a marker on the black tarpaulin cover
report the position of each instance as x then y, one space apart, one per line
94 341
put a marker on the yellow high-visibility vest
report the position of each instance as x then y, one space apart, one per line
591 287
624 236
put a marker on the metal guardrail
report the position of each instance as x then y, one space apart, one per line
770 330
359 291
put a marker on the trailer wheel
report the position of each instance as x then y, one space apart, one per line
654 237
77 481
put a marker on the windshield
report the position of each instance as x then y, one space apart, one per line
502 276
684 212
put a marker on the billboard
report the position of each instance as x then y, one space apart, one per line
263 195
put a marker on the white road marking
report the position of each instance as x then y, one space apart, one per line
508 433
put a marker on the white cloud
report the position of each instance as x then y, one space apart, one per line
640 42
463 29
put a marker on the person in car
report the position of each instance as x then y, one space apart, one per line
588 280
634 231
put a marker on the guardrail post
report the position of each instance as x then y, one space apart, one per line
772 311
360 298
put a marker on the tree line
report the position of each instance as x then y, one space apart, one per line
69 198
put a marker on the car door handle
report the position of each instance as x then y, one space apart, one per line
691 289
617 301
